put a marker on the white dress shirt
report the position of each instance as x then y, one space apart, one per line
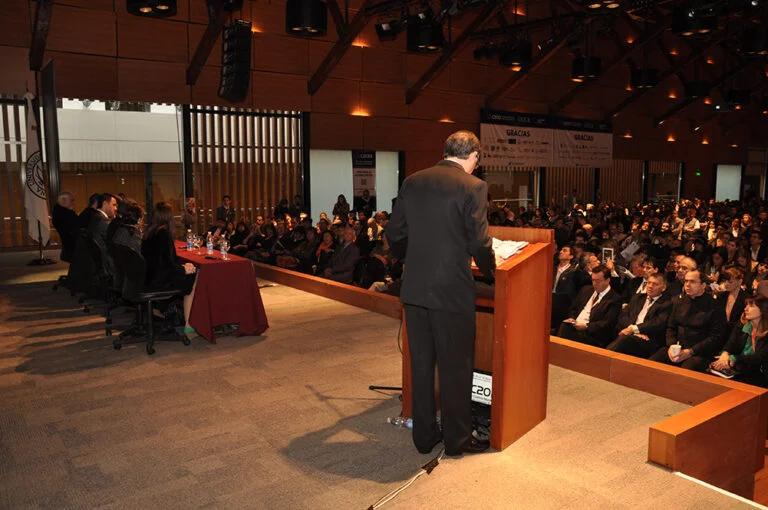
641 316
587 310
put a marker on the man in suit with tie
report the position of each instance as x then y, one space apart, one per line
638 284
593 315
442 213
643 323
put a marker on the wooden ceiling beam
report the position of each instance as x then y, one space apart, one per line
663 76
338 18
688 101
217 18
40 34
341 46
439 65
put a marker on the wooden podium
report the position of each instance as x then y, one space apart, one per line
512 337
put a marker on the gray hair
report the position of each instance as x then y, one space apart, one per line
461 144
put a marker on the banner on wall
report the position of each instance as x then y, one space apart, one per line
507 146
364 179
526 140
583 149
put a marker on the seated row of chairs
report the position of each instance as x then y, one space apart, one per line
124 285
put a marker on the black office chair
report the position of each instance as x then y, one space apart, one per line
131 267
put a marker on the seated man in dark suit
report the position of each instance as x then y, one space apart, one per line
593 314
66 223
643 323
342 265
99 225
684 265
565 285
638 284
695 327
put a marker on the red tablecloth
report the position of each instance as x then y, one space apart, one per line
226 293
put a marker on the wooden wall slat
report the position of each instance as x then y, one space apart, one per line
663 167
253 157
561 181
622 182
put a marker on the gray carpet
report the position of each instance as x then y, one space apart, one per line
284 420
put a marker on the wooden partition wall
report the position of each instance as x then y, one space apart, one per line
623 182
13 220
254 156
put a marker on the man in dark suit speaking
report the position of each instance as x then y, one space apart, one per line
440 214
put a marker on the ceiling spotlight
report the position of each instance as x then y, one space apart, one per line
151 8
585 68
594 5
306 18
696 128
424 34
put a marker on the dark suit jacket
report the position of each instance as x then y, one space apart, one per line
66 223
98 232
738 308
442 213
655 323
698 324
603 316
225 214
343 263
631 288
567 283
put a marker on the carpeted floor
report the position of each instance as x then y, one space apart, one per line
284 420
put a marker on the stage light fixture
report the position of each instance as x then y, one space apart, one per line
424 34
644 78
152 8
306 18
689 23
696 88
754 40
518 53
388 29
585 68
738 97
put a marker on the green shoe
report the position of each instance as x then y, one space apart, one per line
189 331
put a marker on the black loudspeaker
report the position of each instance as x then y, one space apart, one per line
235 62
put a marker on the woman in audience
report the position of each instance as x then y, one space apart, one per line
715 265
324 251
731 297
163 269
746 351
261 248
341 208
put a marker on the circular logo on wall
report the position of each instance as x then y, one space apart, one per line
34 175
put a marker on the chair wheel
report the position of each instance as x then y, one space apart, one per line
150 350
109 332
185 341
116 345
109 320
86 309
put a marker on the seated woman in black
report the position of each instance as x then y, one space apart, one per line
128 231
261 248
237 239
163 269
747 349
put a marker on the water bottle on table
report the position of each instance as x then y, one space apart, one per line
400 422
190 239
224 246
209 244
